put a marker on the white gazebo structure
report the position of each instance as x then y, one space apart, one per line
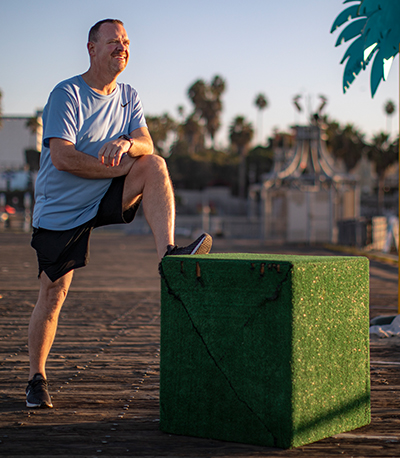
303 199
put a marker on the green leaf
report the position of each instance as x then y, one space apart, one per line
351 31
344 16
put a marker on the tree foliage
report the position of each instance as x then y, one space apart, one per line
390 107
383 153
259 162
345 142
240 134
206 98
161 128
208 167
193 165
261 102
191 132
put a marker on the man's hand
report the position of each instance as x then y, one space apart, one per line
111 152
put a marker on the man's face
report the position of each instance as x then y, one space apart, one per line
111 51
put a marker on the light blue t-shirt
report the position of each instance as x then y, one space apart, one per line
75 112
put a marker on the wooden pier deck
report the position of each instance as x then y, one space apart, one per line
104 365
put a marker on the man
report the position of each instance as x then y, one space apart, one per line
97 165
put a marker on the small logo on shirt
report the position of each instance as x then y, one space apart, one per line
123 105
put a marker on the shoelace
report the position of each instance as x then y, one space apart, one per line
40 382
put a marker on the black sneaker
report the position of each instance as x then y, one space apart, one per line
202 245
37 394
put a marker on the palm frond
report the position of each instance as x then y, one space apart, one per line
374 25
354 29
344 16
355 61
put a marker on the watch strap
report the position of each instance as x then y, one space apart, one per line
127 137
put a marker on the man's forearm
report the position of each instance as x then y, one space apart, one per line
67 159
140 146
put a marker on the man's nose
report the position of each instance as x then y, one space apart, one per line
122 46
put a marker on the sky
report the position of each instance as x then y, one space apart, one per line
281 48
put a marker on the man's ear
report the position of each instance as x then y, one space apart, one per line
91 48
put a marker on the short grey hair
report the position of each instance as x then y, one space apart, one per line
94 31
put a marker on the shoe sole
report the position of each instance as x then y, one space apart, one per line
44 405
204 246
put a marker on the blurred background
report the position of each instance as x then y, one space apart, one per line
243 99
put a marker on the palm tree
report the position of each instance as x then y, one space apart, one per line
206 99
390 109
261 102
197 94
240 134
374 28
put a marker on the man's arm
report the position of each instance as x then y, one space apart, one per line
110 154
67 159
111 163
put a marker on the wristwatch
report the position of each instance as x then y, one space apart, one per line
127 137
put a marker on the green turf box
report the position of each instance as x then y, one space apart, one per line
264 349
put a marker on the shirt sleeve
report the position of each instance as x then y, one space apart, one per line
62 118
137 117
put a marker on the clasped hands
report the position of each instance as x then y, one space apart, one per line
111 153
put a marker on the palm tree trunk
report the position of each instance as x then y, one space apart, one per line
260 126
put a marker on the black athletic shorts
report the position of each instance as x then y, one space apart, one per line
59 252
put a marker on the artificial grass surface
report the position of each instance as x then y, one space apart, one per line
264 349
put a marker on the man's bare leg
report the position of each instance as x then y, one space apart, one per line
44 320
149 177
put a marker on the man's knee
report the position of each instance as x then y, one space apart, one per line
150 163
52 294
149 173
